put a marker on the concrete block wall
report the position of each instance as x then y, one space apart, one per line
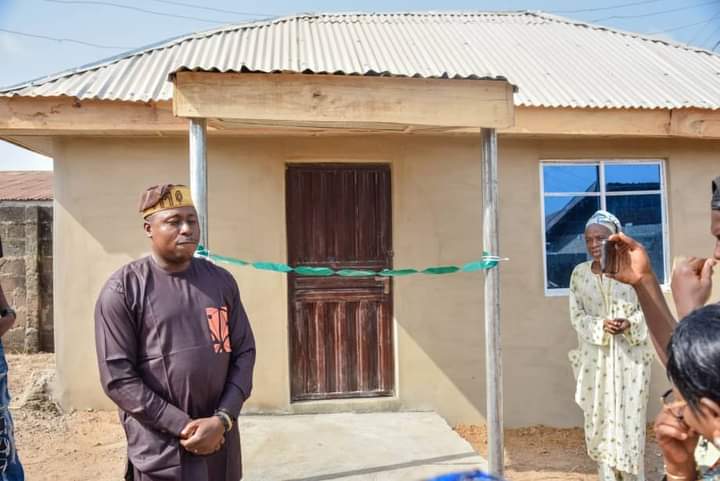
26 274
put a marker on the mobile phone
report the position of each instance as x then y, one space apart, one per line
609 257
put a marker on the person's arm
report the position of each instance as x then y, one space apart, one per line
635 269
117 351
242 361
590 328
6 322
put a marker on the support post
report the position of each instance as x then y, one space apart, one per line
493 349
198 174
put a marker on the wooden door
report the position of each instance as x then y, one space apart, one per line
339 216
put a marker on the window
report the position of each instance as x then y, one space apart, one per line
573 191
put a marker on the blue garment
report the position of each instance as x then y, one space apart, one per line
712 474
10 467
467 476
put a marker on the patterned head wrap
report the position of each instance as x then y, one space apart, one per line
605 219
715 202
163 197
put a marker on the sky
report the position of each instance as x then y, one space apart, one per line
95 29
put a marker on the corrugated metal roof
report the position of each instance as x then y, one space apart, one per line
26 185
555 62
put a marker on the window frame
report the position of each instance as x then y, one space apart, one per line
603 194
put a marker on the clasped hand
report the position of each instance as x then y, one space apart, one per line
203 436
616 326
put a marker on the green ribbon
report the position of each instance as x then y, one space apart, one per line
486 262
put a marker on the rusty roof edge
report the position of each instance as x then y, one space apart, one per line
27 185
369 73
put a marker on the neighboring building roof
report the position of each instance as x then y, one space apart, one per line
554 61
26 185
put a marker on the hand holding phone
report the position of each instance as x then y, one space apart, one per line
609 257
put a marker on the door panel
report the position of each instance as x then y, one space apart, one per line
339 216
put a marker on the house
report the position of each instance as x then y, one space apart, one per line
353 140
26 217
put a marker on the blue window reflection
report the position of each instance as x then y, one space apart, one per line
571 178
626 177
565 219
566 214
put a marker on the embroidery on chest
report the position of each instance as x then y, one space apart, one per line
219 331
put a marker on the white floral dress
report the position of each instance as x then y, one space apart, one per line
612 372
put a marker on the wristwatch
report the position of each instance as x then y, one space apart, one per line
7 311
225 418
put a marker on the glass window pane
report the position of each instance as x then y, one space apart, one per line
571 178
565 219
641 217
625 177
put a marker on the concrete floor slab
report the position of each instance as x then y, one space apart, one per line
398 446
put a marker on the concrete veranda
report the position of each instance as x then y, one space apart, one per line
396 446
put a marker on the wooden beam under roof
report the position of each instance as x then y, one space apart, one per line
68 116
61 116
332 101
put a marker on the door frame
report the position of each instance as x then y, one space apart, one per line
393 338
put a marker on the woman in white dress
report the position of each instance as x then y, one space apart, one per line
612 362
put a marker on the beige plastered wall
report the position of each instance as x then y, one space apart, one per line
436 220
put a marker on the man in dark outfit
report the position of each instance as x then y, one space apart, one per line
175 351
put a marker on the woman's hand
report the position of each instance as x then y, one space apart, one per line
616 326
677 443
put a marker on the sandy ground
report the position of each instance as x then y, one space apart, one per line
83 446
542 453
76 446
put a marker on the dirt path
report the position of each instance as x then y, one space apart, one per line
90 446
542 453
79 446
